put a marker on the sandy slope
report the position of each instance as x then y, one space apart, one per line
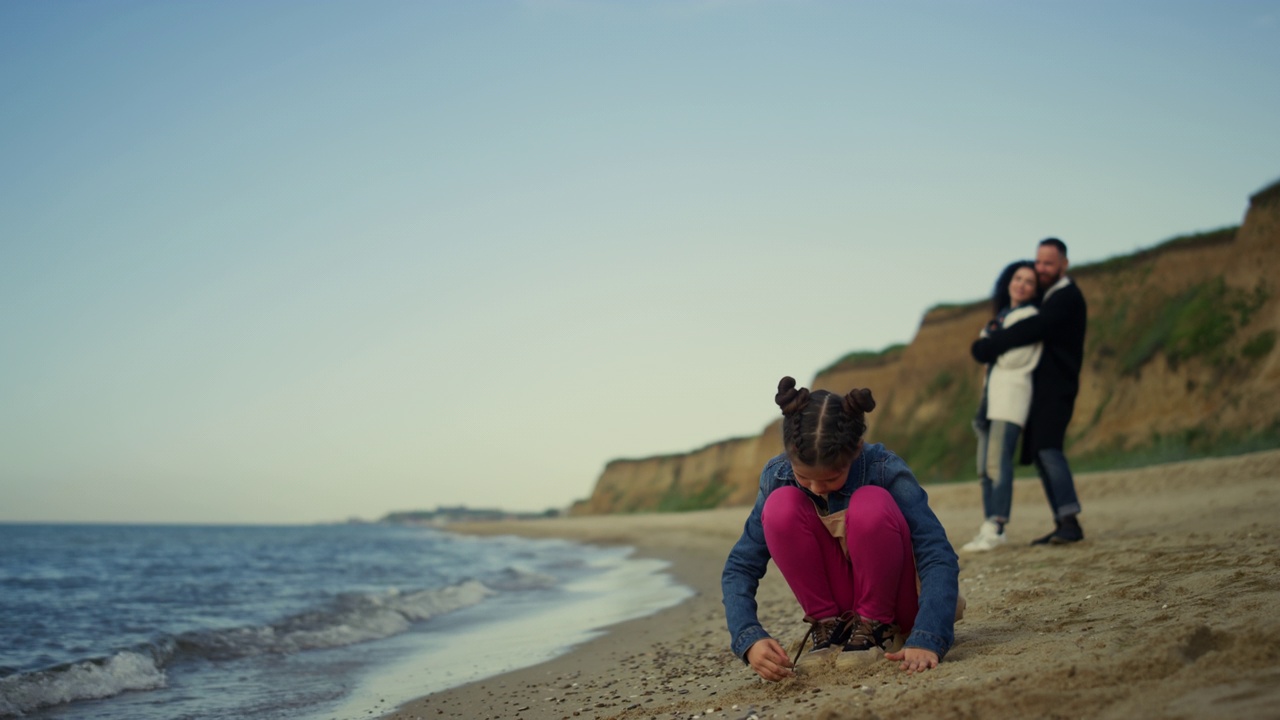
1169 609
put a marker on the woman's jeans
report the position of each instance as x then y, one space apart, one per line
997 442
877 579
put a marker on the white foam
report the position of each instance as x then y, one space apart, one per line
353 619
510 633
89 680
430 603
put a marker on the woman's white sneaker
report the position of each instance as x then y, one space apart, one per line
989 537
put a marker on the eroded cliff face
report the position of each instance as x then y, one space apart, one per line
1180 351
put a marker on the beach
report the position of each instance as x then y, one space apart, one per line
1170 608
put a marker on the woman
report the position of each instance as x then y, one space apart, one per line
1005 403
849 528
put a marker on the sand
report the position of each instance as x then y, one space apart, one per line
1170 608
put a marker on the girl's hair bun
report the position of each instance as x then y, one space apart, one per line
789 398
859 400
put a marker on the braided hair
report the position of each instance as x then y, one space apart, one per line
821 428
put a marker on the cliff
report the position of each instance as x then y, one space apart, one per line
1180 361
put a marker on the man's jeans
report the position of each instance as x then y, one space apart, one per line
1059 487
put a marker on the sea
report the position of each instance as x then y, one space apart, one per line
151 622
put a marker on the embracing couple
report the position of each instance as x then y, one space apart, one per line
1033 349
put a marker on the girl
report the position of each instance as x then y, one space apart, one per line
1005 403
849 528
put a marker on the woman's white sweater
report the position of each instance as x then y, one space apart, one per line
1009 384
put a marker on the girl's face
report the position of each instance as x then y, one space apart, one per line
820 480
1022 288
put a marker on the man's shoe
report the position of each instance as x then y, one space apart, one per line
1057 525
1069 531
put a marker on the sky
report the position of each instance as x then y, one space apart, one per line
291 262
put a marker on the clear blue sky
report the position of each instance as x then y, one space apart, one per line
300 261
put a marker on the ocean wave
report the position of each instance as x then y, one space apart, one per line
349 619
87 680
515 579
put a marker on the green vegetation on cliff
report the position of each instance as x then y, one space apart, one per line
1189 444
1201 321
939 440
678 499
863 358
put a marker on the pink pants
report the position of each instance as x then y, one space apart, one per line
878 578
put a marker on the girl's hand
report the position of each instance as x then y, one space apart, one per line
914 660
769 660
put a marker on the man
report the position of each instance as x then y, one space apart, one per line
1055 383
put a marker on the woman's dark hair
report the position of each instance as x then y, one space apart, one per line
821 428
1000 293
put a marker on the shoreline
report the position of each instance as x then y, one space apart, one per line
1167 609
634 664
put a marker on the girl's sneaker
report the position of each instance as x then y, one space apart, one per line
867 642
828 635
989 537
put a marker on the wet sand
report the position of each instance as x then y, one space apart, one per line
1170 608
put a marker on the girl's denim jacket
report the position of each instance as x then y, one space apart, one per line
936 561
